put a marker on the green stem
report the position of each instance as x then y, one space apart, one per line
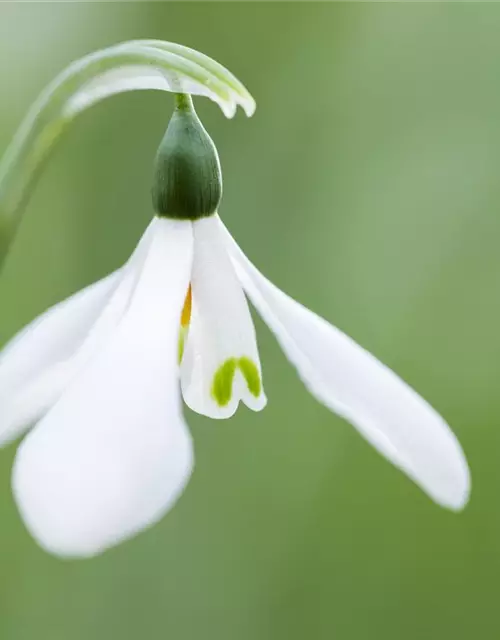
184 102
53 112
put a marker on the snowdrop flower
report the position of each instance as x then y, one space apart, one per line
98 377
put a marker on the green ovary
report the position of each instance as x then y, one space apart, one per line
222 386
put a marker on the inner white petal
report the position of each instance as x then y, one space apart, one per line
220 365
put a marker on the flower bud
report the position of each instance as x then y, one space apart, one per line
187 176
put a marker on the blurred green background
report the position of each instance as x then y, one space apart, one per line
367 186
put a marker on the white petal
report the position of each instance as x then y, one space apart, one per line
354 384
221 340
38 363
50 339
113 454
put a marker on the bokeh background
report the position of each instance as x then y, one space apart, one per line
367 186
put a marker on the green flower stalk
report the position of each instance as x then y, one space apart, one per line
140 64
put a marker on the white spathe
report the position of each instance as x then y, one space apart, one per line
188 71
134 78
99 374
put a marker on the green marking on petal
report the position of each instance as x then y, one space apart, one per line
222 387
251 374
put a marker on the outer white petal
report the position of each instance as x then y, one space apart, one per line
221 332
113 454
38 363
354 384
47 341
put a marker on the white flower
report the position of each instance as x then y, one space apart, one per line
98 376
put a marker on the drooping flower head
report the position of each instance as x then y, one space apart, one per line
100 377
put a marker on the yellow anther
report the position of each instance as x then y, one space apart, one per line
186 309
